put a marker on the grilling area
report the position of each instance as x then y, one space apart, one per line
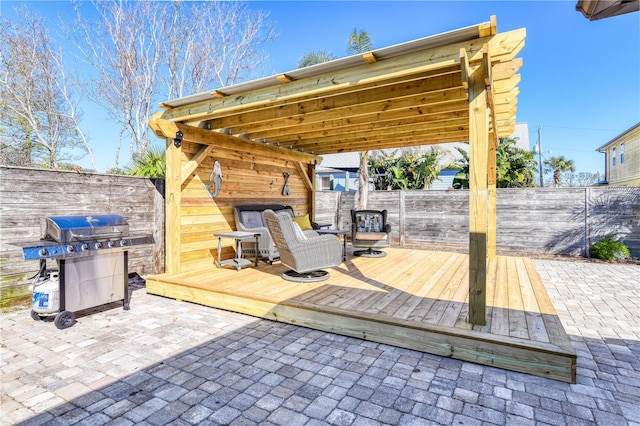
92 257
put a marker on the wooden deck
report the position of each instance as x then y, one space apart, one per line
415 299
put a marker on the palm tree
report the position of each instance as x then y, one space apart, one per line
515 167
359 42
313 58
150 163
559 165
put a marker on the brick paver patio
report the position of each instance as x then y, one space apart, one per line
166 361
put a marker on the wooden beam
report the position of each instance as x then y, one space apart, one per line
207 137
505 70
173 200
311 176
478 188
370 58
491 198
285 78
304 176
191 165
488 29
488 82
486 64
464 68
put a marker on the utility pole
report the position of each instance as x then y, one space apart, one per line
540 155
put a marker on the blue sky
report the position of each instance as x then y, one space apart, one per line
580 79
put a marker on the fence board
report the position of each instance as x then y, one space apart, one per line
534 220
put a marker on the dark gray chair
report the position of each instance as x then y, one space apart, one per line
370 230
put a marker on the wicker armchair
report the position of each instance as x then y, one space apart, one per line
249 219
370 230
306 254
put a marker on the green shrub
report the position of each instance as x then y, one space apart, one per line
609 250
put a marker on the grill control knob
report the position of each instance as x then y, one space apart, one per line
111 244
43 252
84 246
98 245
123 243
71 249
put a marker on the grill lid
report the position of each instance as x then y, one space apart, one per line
69 228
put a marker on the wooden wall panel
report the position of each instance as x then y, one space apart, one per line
248 178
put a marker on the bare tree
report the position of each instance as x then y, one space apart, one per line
146 52
219 47
39 117
122 44
583 179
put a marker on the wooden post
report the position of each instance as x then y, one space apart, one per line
491 200
173 199
401 220
312 191
478 195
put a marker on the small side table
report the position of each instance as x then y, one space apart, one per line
237 262
338 233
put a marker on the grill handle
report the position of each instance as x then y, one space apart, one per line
103 235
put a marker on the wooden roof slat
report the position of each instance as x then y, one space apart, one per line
451 111
305 110
399 142
383 132
343 91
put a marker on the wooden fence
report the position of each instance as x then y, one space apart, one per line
27 196
535 220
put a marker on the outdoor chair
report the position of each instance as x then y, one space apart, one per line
305 253
249 218
370 230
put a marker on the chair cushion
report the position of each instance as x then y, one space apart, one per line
251 219
299 234
371 236
303 222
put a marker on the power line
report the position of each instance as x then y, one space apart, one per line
580 128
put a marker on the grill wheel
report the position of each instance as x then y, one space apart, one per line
64 319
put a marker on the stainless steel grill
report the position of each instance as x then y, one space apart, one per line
92 256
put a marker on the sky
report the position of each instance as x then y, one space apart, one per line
580 79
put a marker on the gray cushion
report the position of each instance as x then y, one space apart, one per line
252 219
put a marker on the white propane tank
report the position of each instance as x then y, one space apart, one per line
46 293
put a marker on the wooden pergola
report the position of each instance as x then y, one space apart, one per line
456 86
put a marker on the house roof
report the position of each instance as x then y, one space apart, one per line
603 148
342 161
413 93
599 9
